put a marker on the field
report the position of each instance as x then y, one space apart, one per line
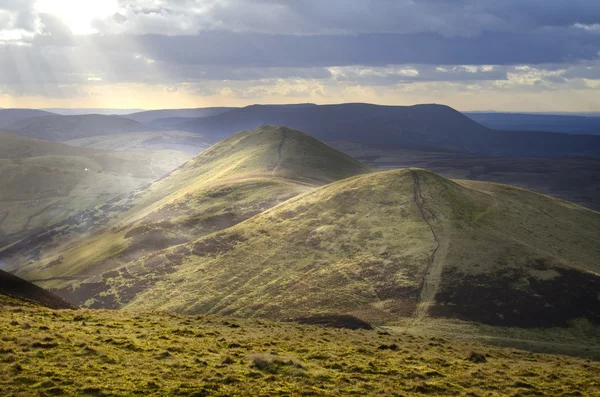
106 353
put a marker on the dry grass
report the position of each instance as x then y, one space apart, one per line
105 353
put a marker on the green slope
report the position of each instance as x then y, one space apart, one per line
384 246
234 180
42 182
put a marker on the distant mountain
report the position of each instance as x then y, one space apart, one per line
62 128
84 111
230 182
569 124
17 288
152 115
11 116
416 127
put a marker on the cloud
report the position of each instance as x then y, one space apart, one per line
293 49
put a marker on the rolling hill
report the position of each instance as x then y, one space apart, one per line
63 128
410 127
42 182
405 244
186 142
576 179
11 116
234 180
13 287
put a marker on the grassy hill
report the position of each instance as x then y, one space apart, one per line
119 353
232 181
395 245
42 182
569 178
63 128
17 290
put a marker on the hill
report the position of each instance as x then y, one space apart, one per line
569 178
185 142
384 247
119 353
42 182
570 124
10 116
63 128
232 181
152 115
414 127
14 287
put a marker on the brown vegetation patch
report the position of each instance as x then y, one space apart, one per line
511 297
81 293
218 244
335 321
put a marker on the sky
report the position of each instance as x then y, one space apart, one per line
504 55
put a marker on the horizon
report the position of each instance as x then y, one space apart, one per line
126 111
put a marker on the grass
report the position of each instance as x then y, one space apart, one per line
105 353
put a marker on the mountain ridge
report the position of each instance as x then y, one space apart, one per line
428 126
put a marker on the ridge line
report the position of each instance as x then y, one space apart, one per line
420 310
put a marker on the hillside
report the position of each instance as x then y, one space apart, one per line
63 128
232 181
150 116
186 142
388 246
118 353
42 182
13 287
11 116
411 127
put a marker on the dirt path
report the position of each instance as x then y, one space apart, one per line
435 264
283 137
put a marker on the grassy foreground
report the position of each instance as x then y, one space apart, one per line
106 353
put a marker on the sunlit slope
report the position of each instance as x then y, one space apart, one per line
238 178
383 246
43 182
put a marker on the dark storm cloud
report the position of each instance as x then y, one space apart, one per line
170 42
257 50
